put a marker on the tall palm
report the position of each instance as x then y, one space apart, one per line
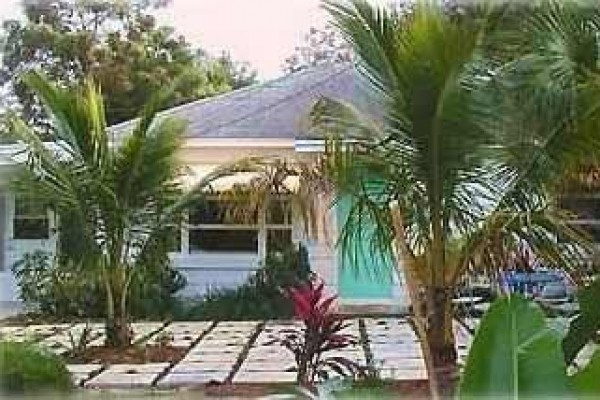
117 201
460 170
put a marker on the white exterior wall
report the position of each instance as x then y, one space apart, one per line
203 270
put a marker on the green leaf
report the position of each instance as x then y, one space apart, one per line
515 355
586 324
587 381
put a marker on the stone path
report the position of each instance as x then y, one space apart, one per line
396 350
242 352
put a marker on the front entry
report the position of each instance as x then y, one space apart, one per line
364 276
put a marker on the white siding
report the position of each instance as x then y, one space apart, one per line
217 270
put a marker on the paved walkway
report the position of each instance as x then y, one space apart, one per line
231 352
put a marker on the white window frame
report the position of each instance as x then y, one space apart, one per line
50 223
261 226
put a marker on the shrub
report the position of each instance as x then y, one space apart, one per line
24 368
62 290
56 289
154 292
262 297
322 332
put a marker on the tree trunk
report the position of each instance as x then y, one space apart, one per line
440 340
118 330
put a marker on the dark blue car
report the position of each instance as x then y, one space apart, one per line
543 284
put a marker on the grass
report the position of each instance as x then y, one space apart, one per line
25 368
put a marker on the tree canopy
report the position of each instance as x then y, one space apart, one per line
117 43
319 46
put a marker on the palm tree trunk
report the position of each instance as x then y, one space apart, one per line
440 340
432 317
118 332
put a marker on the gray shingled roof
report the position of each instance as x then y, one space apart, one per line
273 109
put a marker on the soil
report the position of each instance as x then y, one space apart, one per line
130 355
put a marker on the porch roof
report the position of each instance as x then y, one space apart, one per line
274 109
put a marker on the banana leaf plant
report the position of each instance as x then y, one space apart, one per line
323 332
517 354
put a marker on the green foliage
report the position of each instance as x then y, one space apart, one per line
586 383
517 354
262 297
458 163
118 203
154 292
55 289
64 290
120 45
585 326
514 355
24 367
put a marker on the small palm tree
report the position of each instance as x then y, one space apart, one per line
459 172
117 201
299 182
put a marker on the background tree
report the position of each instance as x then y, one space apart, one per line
119 44
239 73
320 46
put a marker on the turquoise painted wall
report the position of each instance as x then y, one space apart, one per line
362 273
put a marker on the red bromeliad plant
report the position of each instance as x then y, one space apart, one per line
322 332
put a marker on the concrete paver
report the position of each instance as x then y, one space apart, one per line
213 351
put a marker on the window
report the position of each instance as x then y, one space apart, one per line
226 240
593 229
212 228
278 239
216 212
584 207
587 213
279 213
30 220
279 225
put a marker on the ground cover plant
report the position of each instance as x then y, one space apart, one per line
25 367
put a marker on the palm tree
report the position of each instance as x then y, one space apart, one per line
297 183
117 200
460 171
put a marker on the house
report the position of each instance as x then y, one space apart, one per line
261 120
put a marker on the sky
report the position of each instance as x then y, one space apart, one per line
261 32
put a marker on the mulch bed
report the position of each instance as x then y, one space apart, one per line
131 355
